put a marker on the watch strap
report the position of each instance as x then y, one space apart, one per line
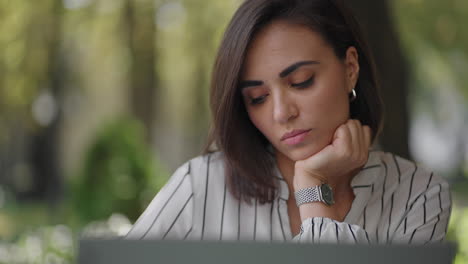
308 195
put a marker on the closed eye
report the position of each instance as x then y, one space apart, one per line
258 100
305 83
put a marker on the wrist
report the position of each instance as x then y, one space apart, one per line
305 179
322 193
302 181
311 210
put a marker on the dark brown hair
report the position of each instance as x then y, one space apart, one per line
249 162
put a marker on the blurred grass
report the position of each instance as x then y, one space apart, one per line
16 219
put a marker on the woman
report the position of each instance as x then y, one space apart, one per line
295 107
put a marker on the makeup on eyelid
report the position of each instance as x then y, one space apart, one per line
305 83
296 69
256 99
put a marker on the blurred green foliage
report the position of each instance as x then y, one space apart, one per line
119 174
436 45
458 232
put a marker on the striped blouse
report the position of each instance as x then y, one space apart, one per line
396 201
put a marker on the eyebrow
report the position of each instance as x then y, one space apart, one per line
282 74
294 67
245 84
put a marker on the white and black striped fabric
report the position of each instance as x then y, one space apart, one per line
396 201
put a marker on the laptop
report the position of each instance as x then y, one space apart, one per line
147 251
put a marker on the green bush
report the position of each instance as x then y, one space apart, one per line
118 175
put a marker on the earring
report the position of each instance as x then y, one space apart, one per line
352 95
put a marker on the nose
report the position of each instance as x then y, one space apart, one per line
284 107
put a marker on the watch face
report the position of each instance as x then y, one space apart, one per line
327 194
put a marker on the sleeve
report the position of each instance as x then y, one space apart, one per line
170 213
426 219
325 230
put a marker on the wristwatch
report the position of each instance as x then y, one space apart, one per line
321 193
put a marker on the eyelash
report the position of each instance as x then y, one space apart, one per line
302 85
258 100
305 83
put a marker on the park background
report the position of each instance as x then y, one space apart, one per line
101 100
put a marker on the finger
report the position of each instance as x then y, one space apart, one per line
364 144
361 137
367 136
341 132
354 128
342 140
362 150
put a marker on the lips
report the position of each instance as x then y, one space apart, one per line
296 136
294 133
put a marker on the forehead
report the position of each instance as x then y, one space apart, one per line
281 44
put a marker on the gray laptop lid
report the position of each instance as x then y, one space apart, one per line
144 251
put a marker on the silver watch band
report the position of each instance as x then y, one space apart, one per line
308 195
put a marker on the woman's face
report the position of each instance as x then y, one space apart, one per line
295 88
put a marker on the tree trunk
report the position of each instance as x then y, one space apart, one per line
45 156
139 19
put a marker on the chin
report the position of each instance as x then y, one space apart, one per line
300 154
305 151
304 155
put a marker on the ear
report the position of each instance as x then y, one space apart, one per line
352 67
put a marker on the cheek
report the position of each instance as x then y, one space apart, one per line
330 107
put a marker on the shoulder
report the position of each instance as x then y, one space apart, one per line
405 176
204 168
406 171
209 160
204 164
